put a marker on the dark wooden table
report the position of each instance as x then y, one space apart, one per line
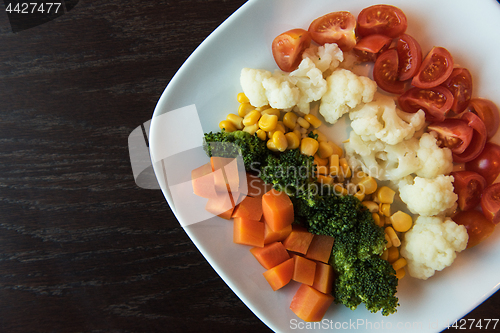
82 247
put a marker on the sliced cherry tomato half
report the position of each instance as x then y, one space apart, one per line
487 164
370 46
477 225
490 203
435 68
410 57
337 27
385 72
488 112
288 48
460 85
436 102
468 185
478 141
382 19
454 134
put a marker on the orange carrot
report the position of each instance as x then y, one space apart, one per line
320 248
256 186
309 304
275 236
248 232
221 204
277 209
280 275
323 278
250 208
298 240
228 179
270 255
304 270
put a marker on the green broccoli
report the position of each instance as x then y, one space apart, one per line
229 144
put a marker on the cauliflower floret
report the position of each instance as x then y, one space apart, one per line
251 83
280 92
380 119
309 80
345 90
431 245
428 196
326 57
433 159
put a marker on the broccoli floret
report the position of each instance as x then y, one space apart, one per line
230 144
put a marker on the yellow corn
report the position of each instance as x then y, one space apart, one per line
268 122
393 236
313 120
279 127
293 140
385 194
308 146
227 126
251 118
401 221
272 111
357 176
290 120
236 120
384 209
280 141
344 166
389 242
297 132
372 206
400 263
400 273
303 123
242 98
334 164
393 253
368 185
336 149
322 170
340 189
385 255
244 108
321 136
261 134
251 129
324 149
320 161
376 218
271 146
326 180
262 108
360 196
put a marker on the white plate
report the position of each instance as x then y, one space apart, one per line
208 83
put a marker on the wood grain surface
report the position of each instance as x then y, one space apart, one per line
82 247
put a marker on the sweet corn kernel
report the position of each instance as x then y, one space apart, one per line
360 196
279 127
401 221
280 141
313 120
293 140
372 206
368 185
336 149
251 129
324 149
357 176
322 170
308 146
262 108
297 132
268 122
303 123
321 137
393 236
251 118
290 120
236 120
242 98
400 273
227 126
326 180
333 161
244 108
393 254
320 161
389 242
340 189
261 134
385 194
400 263
345 168
385 255
272 111
351 188
376 218
384 209
270 145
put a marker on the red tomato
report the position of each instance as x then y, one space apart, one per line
478 141
488 112
385 72
288 48
336 27
435 69
436 102
487 164
460 85
410 57
453 133
477 225
382 19
490 202
370 46
468 185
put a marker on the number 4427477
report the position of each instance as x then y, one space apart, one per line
33 7
478 324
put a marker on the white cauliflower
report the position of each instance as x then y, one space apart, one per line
431 245
433 159
381 119
326 57
280 92
345 90
309 79
428 196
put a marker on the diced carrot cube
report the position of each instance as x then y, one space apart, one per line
280 275
320 248
298 240
275 236
256 186
229 178
277 209
309 304
323 278
248 232
304 270
270 255
221 204
202 180
250 208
